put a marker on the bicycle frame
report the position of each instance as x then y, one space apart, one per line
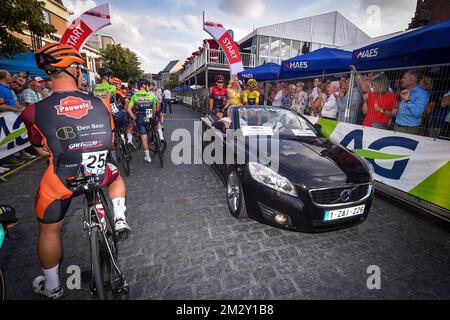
92 220
2 235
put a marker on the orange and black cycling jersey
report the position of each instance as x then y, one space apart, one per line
67 124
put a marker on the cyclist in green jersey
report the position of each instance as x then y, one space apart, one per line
147 114
107 91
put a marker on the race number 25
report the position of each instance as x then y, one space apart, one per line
95 162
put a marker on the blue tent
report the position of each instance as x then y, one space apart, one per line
316 63
267 71
20 63
427 45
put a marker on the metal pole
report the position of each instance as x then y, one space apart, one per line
349 96
207 90
196 91
266 93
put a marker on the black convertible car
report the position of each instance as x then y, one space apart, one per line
280 170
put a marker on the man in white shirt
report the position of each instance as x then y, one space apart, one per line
33 94
278 95
167 96
317 83
329 110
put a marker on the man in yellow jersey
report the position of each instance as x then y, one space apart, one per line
251 95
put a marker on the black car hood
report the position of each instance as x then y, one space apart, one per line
317 157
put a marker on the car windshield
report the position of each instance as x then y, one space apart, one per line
255 121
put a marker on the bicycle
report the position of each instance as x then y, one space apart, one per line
156 145
107 280
8 220
123 152
136 137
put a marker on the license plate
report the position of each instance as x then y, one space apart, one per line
343 213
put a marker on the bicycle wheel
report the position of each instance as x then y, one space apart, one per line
2 287
137 139
96 265
109 220
123 158
158 148
114 284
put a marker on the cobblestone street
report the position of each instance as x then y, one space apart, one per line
186 245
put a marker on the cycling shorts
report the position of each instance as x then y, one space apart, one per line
142 125
53 198
121 118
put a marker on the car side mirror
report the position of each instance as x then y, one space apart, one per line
318 127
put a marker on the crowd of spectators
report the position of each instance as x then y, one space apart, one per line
414 101
16 92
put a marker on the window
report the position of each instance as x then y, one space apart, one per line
263 60
264 46
315 46
296 48
275 48
285 49
274 60
46 16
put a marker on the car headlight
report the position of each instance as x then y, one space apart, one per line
369 166
270 178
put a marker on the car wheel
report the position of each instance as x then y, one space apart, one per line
235 196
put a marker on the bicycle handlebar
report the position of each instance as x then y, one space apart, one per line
83 181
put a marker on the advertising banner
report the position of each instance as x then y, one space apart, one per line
226 42
88 23
13 134
414 164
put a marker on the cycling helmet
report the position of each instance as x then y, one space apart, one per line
220 77
105 72
252 83
115 81
143 82
57 57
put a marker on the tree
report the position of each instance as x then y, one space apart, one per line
19 16
123 62
172 82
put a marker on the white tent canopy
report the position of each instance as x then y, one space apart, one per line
331 28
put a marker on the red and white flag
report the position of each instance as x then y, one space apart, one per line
88 23
226 42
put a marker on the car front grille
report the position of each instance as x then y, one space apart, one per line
333 196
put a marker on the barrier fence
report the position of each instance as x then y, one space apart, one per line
408 143
13 134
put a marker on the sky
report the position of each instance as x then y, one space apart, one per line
165 30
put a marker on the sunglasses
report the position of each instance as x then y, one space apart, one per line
220 82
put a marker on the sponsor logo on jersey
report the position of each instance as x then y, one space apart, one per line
85 145
65 133
73 107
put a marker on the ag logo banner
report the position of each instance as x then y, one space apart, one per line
414 164
13 134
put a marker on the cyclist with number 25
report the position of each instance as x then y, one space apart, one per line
74 129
